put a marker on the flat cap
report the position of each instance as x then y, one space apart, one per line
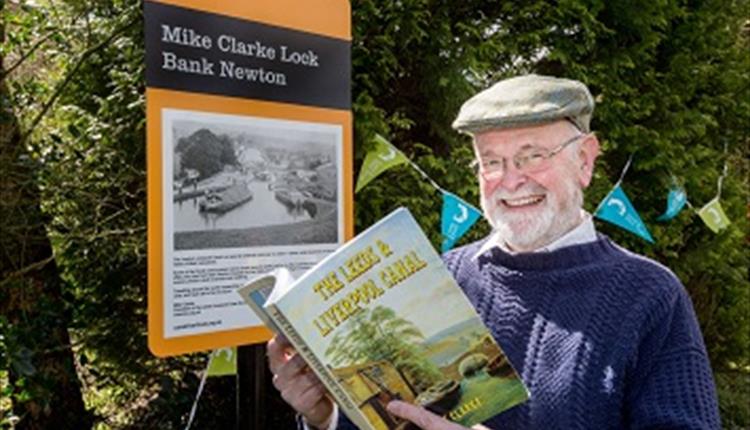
527 100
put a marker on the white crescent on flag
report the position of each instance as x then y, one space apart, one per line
621 206
716 216
463 216
228 352
389 156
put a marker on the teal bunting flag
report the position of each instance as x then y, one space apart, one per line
457 218
617 209
676 200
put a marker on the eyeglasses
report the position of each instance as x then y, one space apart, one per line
527 160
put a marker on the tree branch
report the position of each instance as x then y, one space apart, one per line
62 85
30 268
25 56
40 42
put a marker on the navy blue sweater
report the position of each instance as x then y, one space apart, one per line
603 338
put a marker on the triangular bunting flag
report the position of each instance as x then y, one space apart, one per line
617 209
382 157
713 215
458 216
675 202
223 362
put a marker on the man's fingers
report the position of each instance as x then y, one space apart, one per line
294 378
320 414
298 385
421 417
277 351
307 397
276 383
294 366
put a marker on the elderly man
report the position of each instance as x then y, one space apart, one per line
602 337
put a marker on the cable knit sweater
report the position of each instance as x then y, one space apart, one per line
603 338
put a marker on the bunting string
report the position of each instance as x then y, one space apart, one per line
720 181
385 151
712 213
616 208
198 395
424 175
457 215
624 170
221 362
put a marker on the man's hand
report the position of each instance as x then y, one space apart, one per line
298 385
425 419
421 417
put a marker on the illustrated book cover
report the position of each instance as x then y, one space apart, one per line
382 319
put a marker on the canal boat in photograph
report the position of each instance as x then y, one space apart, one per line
227 199
292 199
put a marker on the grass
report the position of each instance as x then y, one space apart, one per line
496 394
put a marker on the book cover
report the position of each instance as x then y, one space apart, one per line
382 319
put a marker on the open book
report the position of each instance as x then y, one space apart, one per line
382 319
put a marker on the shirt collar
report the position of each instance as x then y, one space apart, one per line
585 232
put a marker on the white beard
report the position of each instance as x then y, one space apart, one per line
553 217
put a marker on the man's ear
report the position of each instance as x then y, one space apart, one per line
588 150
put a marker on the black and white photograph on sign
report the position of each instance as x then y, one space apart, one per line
252 182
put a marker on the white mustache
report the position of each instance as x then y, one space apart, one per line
529 191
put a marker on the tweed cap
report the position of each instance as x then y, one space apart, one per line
527 100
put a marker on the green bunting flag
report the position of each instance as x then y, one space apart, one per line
223 362
713 215
381 158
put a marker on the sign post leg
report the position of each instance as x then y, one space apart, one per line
259 405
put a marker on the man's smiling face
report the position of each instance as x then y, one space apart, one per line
531 207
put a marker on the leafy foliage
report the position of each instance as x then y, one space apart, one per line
206 152
671 82
379 334
671 87
734 394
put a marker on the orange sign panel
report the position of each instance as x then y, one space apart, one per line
249 157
